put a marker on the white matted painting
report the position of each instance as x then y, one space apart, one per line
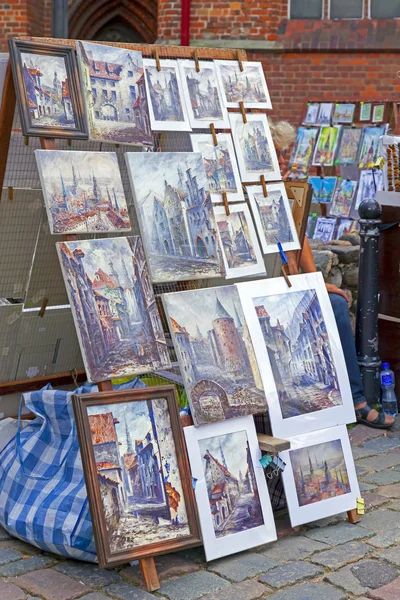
247 86
343 113
324 229
231 491
325 113
320 478
202 95
164 89
311 114
273 218
220 166
254 148
298 349
238 240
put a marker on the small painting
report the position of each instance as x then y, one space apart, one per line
365 111
202 96
136 472
323 188
273 218
378 113
216 357
370 146
240 250
324 229
303 149
254 148
349 145
311 114
247 86
220 166
83 191
343 113
113 305
47 87
325 149
345 226
165 95
370 182
343 198
175 215
325 113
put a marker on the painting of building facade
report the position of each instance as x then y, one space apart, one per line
175 215
343 113
303 149
114 309
369 183
324 229
114 91
370 146
325 149
299 350
348 146
343 198
215 353
323 188
311 113
83 191
319 472
247 86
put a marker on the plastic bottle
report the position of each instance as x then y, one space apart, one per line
389 402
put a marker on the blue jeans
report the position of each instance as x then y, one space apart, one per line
342 317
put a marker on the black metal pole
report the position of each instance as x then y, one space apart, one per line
59 19
367 302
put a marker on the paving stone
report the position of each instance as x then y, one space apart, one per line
383 477
245 590
382 444
9 591
394 506
7 556
373 573
391 555
191 586
90 575
359 452
360 434
373 500
390 491
332 520
51 585
21 547
380 520
4 535
195 554
345 579
125 591
93 596
391 591
338 534
341 555
20 567
290 573
366 487
361 471
309 591
384 539
242 566
168 565
380 463
294 548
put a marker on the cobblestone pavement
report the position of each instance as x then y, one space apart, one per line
327 560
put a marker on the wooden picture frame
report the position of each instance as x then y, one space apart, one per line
47 99
81 403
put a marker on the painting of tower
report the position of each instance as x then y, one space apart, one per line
247 85
325 149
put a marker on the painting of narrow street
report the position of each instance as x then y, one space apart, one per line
231 483
138 473
299 351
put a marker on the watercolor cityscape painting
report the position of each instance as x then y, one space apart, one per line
349 145
231 483
319 472
311 114
137 473
247 86
303 149
324 229
370 146
113 305
83 191
215 353
323 188
343 198
369 183
343 113
299 351
114 93
325 149
175 215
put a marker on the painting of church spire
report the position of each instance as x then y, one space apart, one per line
247 86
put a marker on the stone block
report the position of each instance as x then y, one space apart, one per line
168 565
359 452
379 463
242 566
51 585
374 574
361 433
310 591
338 534
19 567
347 254
294 548
383 477
335 277
382 444
350 276
380 520
353 238
4 535
323 261
384 539
192 586
290 573
9 591
125 591
391 555
394 506
90 575
245 590
339 243
391 591
341 555
390 491
332 520
366 487
7 555
93 596
345 579
373 500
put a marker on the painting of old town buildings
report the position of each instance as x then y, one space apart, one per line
219 165
165 93
113 305
254 147
175 215
370 182
319 472
202 95
324 154
323 188
215 353
299 351
303 150
82 191
348 145
114 92
247 86
343 113
343 198
370 146
324 229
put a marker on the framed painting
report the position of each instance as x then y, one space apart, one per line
114 93
220 166
273 218
137 473
325 149
311 115
323 188
113 305
165 96
175 215
247 86
320 478
216 357
83 191
369 150
370 182
345 226
254 147
202 95
298 349
343 198
238 240
343 113
365 111
324 229
303 149
47 87
325 113
378 113
231 492
349 145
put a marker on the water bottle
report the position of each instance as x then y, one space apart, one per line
389 402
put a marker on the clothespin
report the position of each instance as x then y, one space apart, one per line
239 60
284 263
26 140
360 506
322 175
214 135
379 163
226 203
243 111
157 57
43 307
69 142
10 192
264 185
117 145
196 60
74 375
